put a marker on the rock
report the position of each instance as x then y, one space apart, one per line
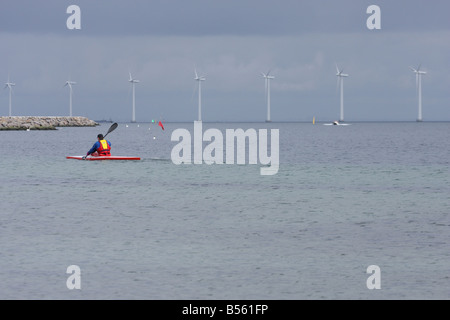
43 123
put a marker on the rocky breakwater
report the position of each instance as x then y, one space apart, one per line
43 123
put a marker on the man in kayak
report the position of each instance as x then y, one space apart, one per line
101 148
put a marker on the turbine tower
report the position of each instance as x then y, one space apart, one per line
419 90
9 85
199 79
340 82
267 79
70 83
133 82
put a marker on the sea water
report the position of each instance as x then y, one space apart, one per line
344 198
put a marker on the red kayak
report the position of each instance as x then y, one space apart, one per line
91 158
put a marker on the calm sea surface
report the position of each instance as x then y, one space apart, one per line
345 198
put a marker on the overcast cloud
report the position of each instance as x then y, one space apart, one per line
231 43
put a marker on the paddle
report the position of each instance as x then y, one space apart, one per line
111 129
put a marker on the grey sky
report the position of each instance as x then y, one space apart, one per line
231 43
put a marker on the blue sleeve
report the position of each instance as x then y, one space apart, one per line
94 147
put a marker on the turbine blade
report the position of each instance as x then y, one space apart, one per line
337 69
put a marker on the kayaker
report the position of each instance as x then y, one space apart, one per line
100 148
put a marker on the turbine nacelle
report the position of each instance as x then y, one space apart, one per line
340 73
9 85
70 83
199 78
267 76
418 71
132 80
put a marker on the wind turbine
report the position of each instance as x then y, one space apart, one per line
419 89
133 82
9 85
199 79
340 82
267 79
70 83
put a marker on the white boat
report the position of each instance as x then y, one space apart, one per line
336 123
